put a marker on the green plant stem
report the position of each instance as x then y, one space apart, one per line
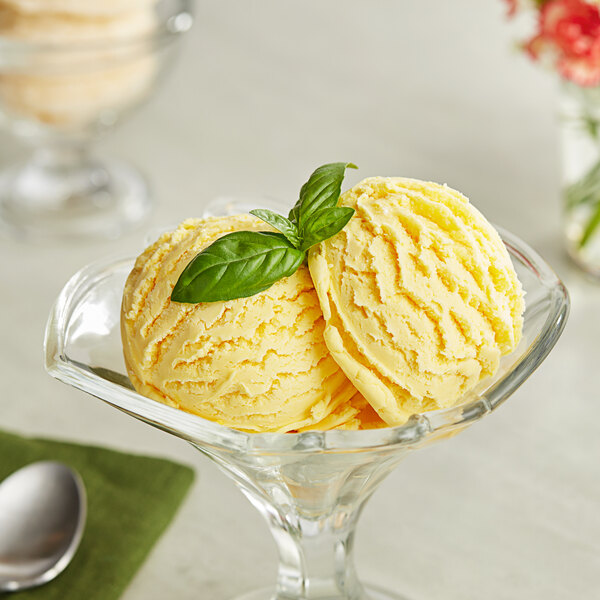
586 191
591 226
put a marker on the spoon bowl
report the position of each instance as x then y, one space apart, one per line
42 517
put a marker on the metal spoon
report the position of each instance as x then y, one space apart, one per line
42 516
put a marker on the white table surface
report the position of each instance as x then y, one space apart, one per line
264 92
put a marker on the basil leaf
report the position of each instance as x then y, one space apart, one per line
322 190
237 265
244 263
324 224
289 230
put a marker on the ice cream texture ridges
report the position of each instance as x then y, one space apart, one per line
419 296
255 364
405 310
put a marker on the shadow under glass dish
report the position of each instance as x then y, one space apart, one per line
311 486
57 98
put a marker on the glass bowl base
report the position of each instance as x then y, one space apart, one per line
371 593
91 200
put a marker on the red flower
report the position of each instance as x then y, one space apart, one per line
512 7
569 30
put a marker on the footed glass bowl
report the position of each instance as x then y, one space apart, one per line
64 81
310 487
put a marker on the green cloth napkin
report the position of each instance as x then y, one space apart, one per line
131 500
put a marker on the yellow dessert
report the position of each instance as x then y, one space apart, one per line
76 67
83 8
419 296
257 364
66 28
408 302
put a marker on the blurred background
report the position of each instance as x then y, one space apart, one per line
262 93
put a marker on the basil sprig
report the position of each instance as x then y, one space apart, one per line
244 263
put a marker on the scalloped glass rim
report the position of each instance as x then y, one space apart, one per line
177 19
550 306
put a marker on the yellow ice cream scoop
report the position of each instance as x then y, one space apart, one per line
256 364
419 296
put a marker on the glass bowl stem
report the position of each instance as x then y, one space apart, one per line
312 504
61 190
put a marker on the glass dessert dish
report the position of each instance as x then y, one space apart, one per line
63 82
311 486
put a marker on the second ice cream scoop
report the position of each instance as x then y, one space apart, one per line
419 296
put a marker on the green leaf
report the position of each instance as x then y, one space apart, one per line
237 265
591 227
322 190
244 263
289 229
591 125
585 190
324 224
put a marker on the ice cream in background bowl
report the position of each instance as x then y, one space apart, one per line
69 72
87 68
310 485
79 8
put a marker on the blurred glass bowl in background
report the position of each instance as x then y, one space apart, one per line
66 78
